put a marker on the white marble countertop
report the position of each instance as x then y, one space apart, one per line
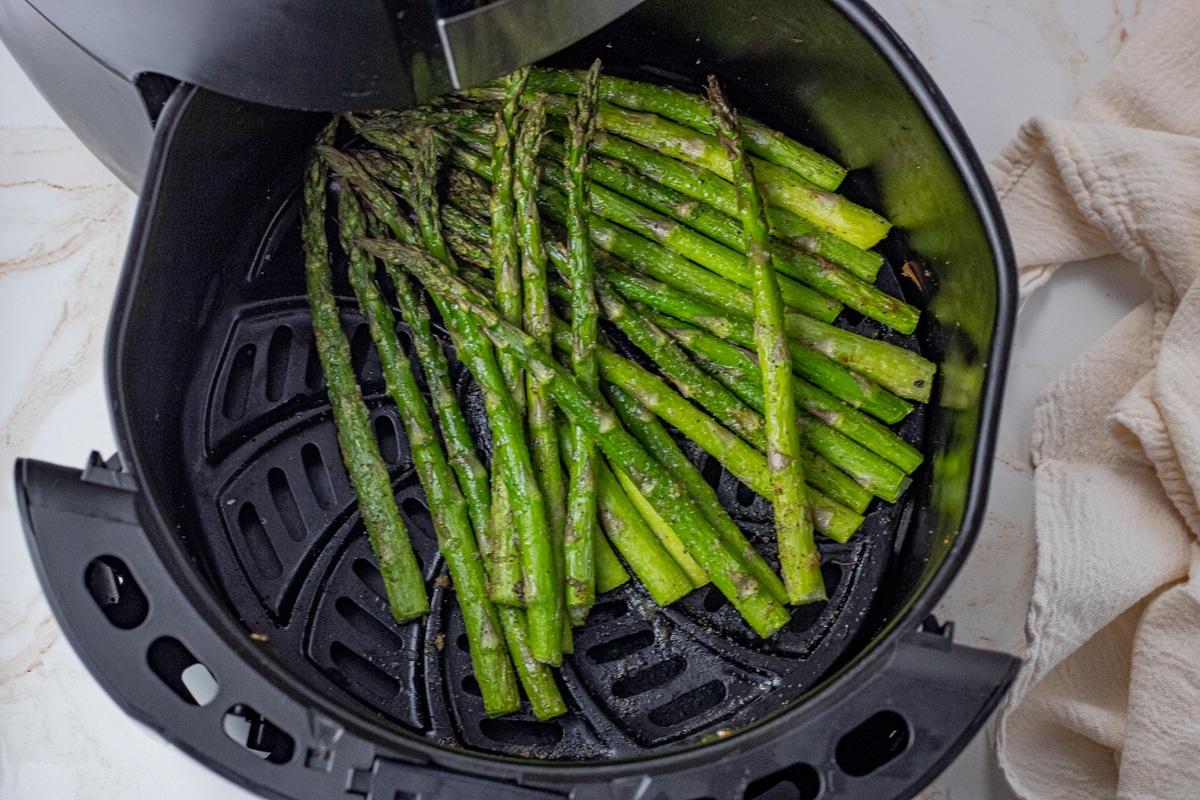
63 224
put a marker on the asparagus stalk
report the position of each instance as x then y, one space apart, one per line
757 607
451 517
815 271
780 186
690 110
537 588
368 473
543 433
738 369
901 369
695 246
506 254
496 545
662 529
543 436
536 678
799 559
581 527
654 437
653 563
610 572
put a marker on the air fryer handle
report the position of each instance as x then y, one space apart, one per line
883 731
136 630
915 715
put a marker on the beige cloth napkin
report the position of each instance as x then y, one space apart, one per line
1108 702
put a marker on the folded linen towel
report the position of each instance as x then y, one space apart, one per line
1108 702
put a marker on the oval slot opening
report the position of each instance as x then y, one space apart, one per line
873 744
118 595
246 727
797 782
182 673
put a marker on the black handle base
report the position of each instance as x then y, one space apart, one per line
899 724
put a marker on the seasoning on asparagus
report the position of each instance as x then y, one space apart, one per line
690 110
779 186
536 678
360 452
506 254
761 611
816 271
581 525
799 559
501 566
448 507
543 428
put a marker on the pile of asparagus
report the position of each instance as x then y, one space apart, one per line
528 210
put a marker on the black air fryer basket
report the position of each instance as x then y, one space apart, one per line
227 534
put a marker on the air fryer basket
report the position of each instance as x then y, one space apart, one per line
227 533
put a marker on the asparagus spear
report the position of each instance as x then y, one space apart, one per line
855 390
815 271
738 369
757 607
780 186
543 433
543 437
902 370
506 254
536 677
456 539
629 532
500 562
799 560
610 572
372 484
654 437
580 532
538 588
662 529
690 110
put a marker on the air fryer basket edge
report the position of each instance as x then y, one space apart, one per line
896 639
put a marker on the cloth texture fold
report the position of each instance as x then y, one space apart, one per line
1107 704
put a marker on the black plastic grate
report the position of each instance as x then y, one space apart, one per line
282 538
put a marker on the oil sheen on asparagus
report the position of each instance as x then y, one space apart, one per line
620 266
